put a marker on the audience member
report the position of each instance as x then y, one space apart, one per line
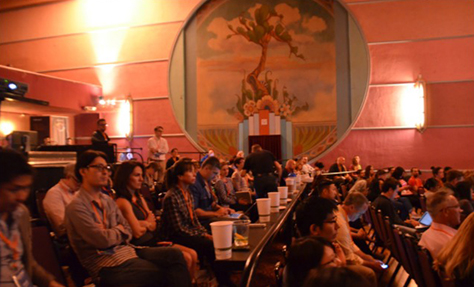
455 261
375 185
263 166
415 181
445 171
179 219
384 203
361 183
16 260
431 186
355 163
307 253
225 191
340 167
438 174
290 168
205 202
157 149
464 190
452 178
173 159
99 235
99 137
128 182
335 277
306 168
209 154
351 210
153 172
327 189
446 214
240 184
58 197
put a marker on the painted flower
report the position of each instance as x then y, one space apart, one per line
268 103
285 110
250 108
239 116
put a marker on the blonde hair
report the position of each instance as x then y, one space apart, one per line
456 259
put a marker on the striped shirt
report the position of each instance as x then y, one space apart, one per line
96 239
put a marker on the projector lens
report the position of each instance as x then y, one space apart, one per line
12 86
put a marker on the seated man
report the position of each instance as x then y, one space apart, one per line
384 203
317 217
353 207
446 214
16 260
58 197
99 235
205 203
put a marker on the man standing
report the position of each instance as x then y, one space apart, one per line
99 235
446 214
99 137
157 149
17 265
58 197
263 165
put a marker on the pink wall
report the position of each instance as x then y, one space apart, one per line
406 38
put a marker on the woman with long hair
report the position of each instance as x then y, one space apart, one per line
456 260
438 174
127 183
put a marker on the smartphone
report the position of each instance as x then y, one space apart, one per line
384 266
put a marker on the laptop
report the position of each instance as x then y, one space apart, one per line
425 221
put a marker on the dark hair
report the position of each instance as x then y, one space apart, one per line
431 183
122 177
453 174
319 165
367 171
157 127
447 168
390 183
313 210
323 184
463 189
13 164
100 120
173 149
256 147
179 168
304 254
335 277
85 159
212 162
238 160
398 172
435 170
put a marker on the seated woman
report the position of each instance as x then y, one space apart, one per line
464 190
308 253
456 260
225 191
128 182
289 168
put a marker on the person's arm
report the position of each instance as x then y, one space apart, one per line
139 227
80 219
236 182
151 219
203 214
96 138
278 168
164 148
152 146
55 209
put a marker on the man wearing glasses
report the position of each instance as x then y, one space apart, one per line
100 236
58 197
99 137
446 214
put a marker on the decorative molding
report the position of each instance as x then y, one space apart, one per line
428 82
420 40
151 98
372 2
136 136
408 127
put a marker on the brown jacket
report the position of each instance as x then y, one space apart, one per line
38 275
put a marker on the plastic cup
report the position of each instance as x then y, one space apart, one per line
241 233
222 239
274 201
263 206
283 190
290 183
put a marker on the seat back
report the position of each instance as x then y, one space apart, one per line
400 246
430 276
45 253
377 225
383 231
414 261
40 194
391 241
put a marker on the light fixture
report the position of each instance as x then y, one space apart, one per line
419 101
125 120
101 100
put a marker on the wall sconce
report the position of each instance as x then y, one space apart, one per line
420 104
125 123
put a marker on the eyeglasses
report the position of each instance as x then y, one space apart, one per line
457 206
100 167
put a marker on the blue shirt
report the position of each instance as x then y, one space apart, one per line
203 198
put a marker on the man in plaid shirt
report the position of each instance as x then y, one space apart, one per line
179 220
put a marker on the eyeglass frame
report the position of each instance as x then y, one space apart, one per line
100 167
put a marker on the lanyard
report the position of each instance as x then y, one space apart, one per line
13 245
442 231
209 191
103 220
189 204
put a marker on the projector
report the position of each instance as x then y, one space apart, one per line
12 87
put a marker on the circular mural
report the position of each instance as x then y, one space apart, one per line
295 69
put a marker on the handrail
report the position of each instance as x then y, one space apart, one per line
254 257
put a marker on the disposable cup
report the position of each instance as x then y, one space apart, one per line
263 206
274 201
283 190
290 183
222 239
241 233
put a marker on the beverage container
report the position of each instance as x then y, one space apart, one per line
263 206
241 233
222 239
283 190
274 201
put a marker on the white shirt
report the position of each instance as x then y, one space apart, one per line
54 204
436 237
307 169
161 145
